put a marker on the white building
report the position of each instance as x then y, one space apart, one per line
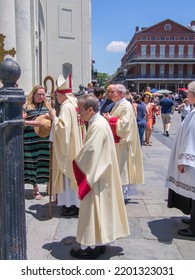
46 34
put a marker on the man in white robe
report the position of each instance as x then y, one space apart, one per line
124 128
181 171
102 215
67 142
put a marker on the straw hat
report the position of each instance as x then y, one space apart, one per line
148 93
64 86
44 129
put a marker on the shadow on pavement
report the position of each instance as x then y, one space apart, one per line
41 211
166 229
60 250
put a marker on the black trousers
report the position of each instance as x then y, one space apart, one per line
192 220
185 204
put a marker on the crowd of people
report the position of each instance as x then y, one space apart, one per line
96 143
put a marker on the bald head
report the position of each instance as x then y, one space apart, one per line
118 92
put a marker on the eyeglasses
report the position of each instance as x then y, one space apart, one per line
40 94
116 92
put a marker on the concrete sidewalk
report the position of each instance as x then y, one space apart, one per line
153 226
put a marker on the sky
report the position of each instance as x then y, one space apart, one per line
113 24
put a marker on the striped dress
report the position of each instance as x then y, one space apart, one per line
36 152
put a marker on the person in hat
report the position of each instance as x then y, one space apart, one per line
148 91
102 215
67 142
36 139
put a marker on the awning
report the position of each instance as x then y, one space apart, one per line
163 91
182 89
153 90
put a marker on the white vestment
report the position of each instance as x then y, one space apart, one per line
124 127
67 142
183 153
102 215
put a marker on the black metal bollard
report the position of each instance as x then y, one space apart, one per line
12 202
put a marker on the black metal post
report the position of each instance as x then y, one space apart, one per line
12 203
125 74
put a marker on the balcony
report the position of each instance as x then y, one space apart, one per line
159 58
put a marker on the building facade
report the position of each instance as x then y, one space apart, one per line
161 56
46 34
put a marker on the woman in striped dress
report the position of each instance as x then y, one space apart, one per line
36 149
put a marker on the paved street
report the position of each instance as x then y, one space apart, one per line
153 226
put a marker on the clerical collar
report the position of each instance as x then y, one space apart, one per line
120 101
94 117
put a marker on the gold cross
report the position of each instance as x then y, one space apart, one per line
3 52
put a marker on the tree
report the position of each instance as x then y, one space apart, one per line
102 79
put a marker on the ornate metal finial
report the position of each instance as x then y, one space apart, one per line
4 52
9 72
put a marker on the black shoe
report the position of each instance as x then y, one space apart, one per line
127 200
102 249
167 133
70 211
186 232
85 254
186 220
64 208
75 209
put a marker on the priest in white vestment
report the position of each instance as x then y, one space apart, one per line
102 214
67 142
181 171
124 128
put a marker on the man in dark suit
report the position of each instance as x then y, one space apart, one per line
107 104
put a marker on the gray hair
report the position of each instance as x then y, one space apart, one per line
121 88
89 100
191 87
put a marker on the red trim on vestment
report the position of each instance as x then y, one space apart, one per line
112 123
64 91
70 81
83 187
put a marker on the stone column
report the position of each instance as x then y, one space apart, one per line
86 48
7 23
24 43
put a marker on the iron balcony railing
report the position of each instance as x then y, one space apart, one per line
161 76
186 57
